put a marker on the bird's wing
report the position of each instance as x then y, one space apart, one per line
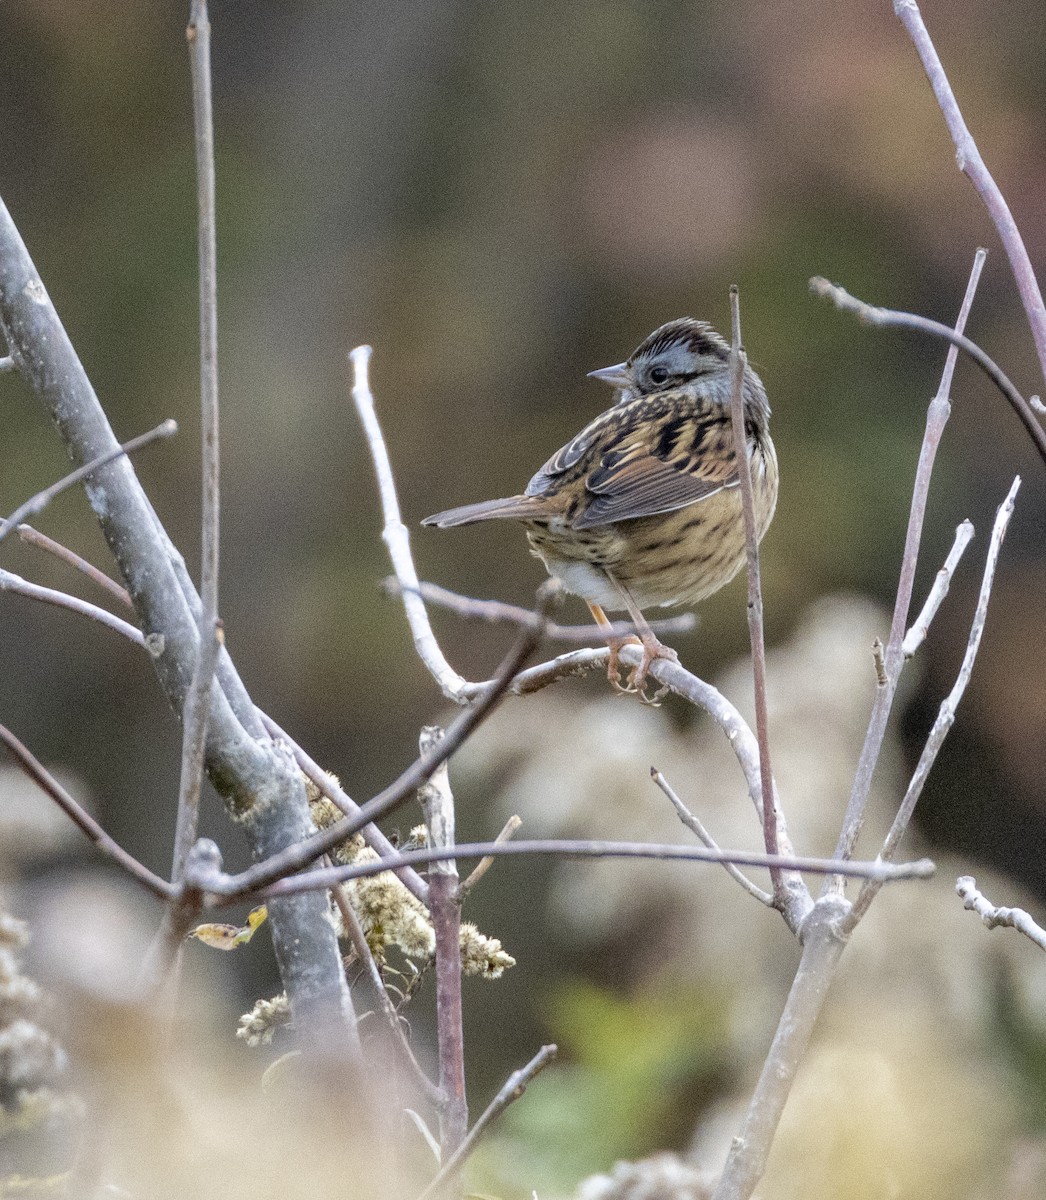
640 464
567 458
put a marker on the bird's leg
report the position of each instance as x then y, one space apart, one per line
615 643
653 647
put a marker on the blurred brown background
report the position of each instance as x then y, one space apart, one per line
500 198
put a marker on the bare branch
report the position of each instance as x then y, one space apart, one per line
437 802
695 826
261 784
682 682
497 611
946 714
1010 918
17 586
41 500
83 820
915 636
738 362
750 1149
904 320
7 363
514 1087
294 858
197 700
14 584
42 542
397 538
371 834
972 166
229 889
358 938
936 419
484 864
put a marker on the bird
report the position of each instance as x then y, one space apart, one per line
642 508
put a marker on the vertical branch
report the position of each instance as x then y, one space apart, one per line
749 1151
936 419
262 786
198 698
946 713
738 362
972 166
444 905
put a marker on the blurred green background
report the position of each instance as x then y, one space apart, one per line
501 198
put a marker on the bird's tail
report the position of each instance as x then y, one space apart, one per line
518 508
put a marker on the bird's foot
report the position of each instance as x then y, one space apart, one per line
636 682
614 665
652 650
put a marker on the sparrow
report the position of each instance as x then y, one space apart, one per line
642 508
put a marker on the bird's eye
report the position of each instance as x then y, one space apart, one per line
658 375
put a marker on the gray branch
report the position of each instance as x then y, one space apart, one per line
260 783
974 900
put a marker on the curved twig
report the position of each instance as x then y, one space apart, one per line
905 320
41 500
83 820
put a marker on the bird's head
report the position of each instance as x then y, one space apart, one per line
672 356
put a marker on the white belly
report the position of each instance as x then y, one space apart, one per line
584 580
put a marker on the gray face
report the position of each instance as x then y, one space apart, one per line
672 356
671 366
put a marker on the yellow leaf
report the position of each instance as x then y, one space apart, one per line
228 937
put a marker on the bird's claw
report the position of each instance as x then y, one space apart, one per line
614 666
635 684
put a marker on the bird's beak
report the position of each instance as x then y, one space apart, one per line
617 376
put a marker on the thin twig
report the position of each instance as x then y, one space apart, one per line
295 857
498 611
695 826
873 315
197 706
936 418
483 866
83 820
946 714
915 636
972 166
17 586
354 931
738 363
437 802
1011 918
42 499
42 542
229 889
371 834
513 1088
397 538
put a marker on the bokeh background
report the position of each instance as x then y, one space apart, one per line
501 198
